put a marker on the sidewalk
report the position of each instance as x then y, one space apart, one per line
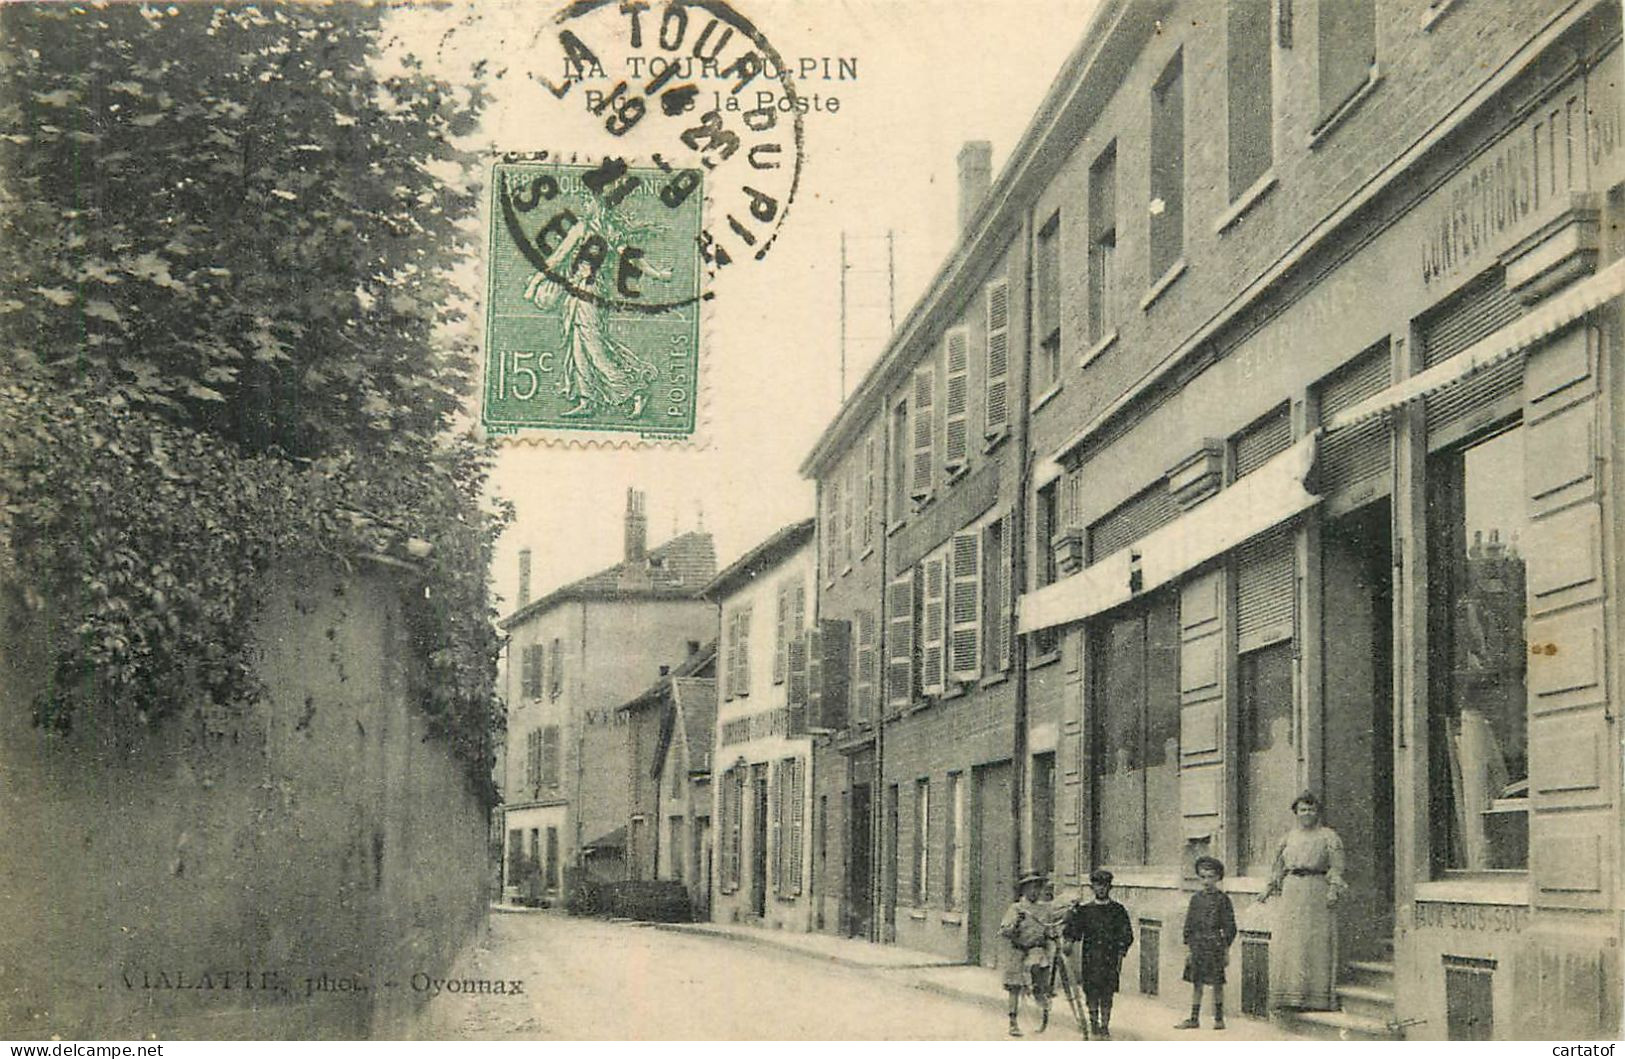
1134 1017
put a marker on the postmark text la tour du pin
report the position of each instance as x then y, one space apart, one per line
593 301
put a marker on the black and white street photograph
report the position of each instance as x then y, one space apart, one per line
1077 521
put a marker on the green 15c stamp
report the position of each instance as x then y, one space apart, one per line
593 299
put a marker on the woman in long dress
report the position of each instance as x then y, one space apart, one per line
1308 876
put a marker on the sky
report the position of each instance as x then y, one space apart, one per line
931 74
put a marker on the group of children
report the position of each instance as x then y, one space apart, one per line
1098 932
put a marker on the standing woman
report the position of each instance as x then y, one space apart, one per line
1308 876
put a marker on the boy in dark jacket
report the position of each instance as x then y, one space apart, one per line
1210 927
1101 931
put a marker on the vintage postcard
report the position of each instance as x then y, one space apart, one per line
728 520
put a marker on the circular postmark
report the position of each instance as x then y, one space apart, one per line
681 83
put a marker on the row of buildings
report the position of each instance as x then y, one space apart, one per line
1258 434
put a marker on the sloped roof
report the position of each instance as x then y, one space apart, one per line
764 556
700 663
678 569
697 704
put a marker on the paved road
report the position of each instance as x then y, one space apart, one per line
593 980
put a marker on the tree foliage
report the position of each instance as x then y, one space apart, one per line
227 236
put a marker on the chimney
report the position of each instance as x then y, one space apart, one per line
637 528
524 576
975 177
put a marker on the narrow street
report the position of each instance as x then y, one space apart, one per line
588 979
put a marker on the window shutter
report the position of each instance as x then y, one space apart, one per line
1359 454
1263 441
835 672
900 641
796 671
550 756
527 672
864 689
778 828
815 675
924 425
555 669
797 815
744 652
933 613
869 485
1483 308
781 631
1265 591
956 409
998 357
964 653
798 608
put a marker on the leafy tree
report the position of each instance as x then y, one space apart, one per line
226 235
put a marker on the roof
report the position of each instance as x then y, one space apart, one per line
678 569
695 664
772 551
693 703
1068 106
616 839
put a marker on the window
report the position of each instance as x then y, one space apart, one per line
996 409
832 527
866 663
932 618
956 400
548 762
922 831
965 606
1102 244
530 669
1047 284
1168 168
674 848
924 432
1347 32
788 827
1046 518
533 758
1043 802
870 475
551 867
953 859
1249 80
900 641
516 856
730 830
1479 768
1135 695
781 799
1268 761
790 616
995 598
900 450
738 653
848 514
555 668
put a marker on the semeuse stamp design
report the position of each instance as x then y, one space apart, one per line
593 298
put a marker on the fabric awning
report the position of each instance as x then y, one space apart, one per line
1260 501
1550 316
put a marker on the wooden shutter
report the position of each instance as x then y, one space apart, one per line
998 357
834 669
797 829
870 483
550 756
1482 308
798 607
795 651
744 652
924 427
900 641
956 401
965 640
780 783
1359 455
530 682
1265 591
781 627
933 614
815 675
867 654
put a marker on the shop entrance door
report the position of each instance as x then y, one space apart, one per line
1357 575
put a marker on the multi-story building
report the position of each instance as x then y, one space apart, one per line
919 484
682 775
574 656
762 768
1316 486
648 719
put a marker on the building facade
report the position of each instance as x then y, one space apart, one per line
574 656
683 783
1314 369
762 768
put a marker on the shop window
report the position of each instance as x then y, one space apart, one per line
1265 738
1479 775
1135 703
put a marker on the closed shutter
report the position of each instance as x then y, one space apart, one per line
744 652
1357 455
900 641
1477 312
530 679
780 787
993 591
835 673
964 648
998 357
932 615
924 427
1152 509
1263 441
863 692
781 628
956 403
549 767
796 671
815 675
796 828
1265 591
555 669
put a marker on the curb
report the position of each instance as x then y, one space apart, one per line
702 930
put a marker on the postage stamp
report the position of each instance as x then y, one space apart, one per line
593 297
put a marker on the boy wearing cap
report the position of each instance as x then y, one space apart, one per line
1027 927
1100 928
1210 927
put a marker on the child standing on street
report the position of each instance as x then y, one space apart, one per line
1026 926
1210 927
1101 930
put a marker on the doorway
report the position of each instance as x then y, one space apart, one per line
1357 645
860 864
758 841
889 881
992 878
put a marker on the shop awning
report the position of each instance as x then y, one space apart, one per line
1510 341
1260 501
